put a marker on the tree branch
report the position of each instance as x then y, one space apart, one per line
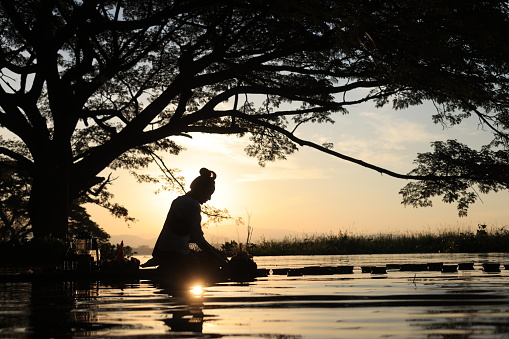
25 162
296 94
323 149
485 121
166 171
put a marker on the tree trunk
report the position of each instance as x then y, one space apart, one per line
49 202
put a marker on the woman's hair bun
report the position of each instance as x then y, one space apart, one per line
204 172
206 180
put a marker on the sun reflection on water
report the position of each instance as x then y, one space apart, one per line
196 291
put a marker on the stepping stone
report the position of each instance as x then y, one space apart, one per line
449 268
316 270
465 266
378 270
435 266
262 272
294 273
491 267
414 267
344 269
366 269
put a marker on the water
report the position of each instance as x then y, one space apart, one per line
424 304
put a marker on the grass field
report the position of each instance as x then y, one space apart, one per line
484 239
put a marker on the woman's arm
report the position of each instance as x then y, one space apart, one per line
196 236
211 250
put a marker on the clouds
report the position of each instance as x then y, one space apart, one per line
392 132
217 146
228 151
384 137
283 171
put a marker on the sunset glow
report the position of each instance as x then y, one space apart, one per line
312 192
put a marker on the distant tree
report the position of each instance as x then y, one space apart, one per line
87 85
79 221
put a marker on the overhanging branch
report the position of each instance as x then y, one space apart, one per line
381 170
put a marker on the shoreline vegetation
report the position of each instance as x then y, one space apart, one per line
483 240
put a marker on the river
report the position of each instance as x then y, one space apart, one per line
396 304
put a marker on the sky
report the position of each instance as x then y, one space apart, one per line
312 192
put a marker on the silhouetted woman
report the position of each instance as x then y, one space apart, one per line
183 226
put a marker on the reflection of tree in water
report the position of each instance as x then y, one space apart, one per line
464 322
85 319
14 306
52 304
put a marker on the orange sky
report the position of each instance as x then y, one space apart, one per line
312 192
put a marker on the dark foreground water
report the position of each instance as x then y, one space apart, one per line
399 304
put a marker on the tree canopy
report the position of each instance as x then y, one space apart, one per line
92 84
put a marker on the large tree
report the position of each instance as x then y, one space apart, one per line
91 84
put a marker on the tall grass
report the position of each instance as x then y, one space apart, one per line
448 241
